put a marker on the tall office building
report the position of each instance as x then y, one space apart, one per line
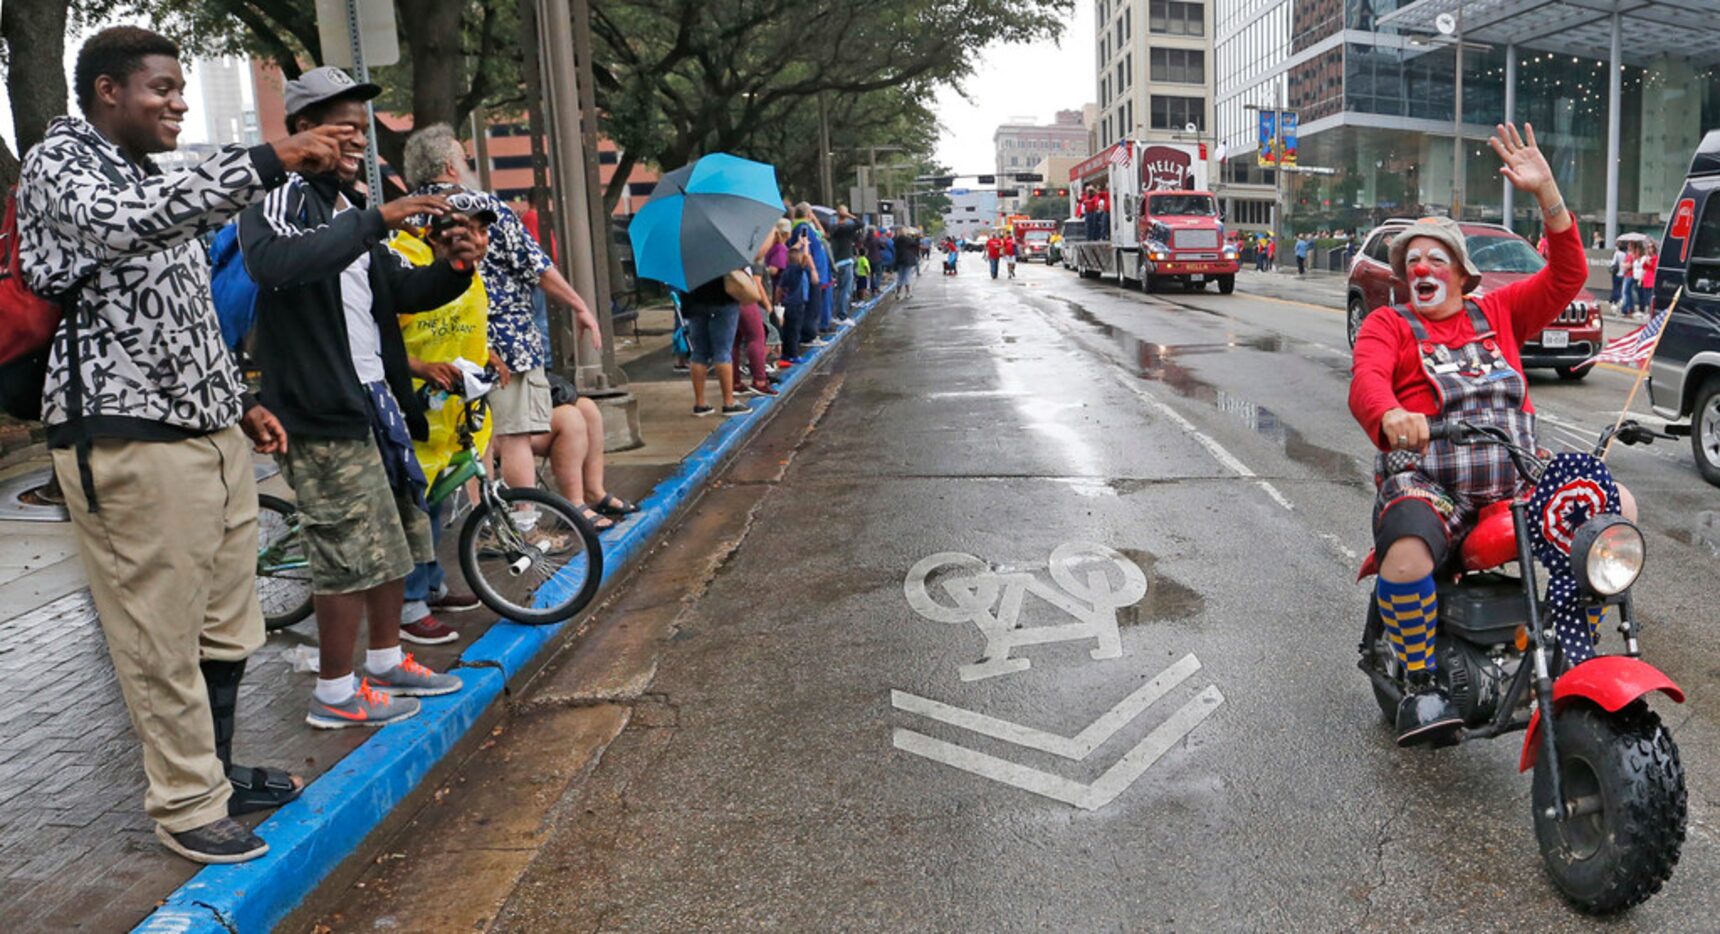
971 212
222 81
1154 69
1375 86
1021 145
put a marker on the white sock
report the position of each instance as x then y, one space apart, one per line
333 691
377 661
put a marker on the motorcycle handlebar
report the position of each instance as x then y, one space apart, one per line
1438 430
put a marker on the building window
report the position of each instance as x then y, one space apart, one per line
640 189
511 162
1129 69
608 156
1179 66
1175 18
1175 113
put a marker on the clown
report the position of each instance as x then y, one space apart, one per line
1448 355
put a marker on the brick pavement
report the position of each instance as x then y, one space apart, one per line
76 850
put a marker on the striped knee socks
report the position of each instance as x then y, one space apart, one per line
1410 612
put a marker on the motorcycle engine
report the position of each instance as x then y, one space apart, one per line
1476 677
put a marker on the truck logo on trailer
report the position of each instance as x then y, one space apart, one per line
1164 168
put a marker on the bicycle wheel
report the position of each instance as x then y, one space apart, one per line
536 562
283 570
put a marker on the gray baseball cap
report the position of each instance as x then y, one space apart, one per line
325 84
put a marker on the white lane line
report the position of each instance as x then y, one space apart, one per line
1077 747
1087 797
1224 457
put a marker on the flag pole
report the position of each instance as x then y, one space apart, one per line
1641 372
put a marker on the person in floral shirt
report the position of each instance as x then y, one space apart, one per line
526 422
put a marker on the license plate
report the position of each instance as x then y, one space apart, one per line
1555 340
1197 277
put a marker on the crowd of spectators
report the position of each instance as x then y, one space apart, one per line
144 408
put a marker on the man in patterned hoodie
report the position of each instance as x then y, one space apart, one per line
144 409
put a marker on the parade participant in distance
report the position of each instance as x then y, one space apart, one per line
1009 251
335 370
993 251
1450 357
146 433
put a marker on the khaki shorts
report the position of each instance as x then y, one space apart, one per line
523 406
359 533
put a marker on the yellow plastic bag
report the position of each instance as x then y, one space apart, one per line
458 329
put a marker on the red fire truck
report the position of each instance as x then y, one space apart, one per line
1033 239
1163 225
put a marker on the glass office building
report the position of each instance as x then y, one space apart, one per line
1375 86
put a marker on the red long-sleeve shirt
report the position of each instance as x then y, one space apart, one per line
1387 372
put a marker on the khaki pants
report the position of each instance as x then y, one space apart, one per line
171 556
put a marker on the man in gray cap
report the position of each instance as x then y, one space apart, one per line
336 373
1447 355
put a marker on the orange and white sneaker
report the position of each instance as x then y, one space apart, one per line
366 707
412 679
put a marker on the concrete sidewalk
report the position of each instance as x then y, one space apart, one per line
76 850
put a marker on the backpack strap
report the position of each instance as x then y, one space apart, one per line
1416 327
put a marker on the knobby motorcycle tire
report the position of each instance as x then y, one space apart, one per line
1373 644
1641 828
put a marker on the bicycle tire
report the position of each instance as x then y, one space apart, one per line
575 592
291 607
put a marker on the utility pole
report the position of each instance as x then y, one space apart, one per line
1457 127
824 171
1278 163
361 72
481 146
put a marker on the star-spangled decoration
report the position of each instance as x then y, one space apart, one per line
1573 489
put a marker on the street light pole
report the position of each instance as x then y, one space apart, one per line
1278 162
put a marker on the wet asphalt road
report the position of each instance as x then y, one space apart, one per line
803 765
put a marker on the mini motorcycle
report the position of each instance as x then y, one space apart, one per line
1608 796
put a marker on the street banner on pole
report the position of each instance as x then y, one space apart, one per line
1285 137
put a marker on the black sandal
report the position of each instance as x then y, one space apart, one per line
259 788
598 521
614 506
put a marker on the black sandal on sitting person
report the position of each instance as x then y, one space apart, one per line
598 521
259 788
614 506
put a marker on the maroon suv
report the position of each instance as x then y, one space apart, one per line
1503 258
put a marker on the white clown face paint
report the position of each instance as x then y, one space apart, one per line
1430 275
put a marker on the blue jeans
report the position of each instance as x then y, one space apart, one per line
794 315
824 306
993 260
711 333
425 580
844 287
1630 296
1617 289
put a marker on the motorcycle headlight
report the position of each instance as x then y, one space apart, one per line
1607 554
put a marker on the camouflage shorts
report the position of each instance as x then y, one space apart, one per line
359 532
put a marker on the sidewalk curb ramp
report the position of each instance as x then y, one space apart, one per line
311 836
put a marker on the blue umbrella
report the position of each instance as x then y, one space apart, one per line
705 220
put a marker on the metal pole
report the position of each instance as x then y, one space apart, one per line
1510 200
567 159
355 36
598 370
824 178
1457 126
1278 163
481 146
1614 79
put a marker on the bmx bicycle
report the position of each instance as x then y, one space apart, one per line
528 554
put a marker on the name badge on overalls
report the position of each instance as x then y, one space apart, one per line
1442 362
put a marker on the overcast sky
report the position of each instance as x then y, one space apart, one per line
1033 81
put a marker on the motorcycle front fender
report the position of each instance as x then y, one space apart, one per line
1610 682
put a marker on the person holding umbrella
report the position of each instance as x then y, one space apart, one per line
697 233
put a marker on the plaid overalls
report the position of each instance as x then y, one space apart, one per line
1477 384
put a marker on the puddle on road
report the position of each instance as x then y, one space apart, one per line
1158 363
1167 598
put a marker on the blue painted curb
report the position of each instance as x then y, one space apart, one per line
311 836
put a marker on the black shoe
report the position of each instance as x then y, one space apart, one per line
1427 717
222 841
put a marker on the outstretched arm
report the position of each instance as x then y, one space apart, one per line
1535 302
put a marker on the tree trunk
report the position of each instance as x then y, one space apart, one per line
35 35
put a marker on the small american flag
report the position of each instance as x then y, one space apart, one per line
1635 348
1120 154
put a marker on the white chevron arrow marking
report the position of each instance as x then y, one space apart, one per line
1076 747
1088 797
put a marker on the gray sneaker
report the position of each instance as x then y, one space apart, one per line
412 679
224 840
366 707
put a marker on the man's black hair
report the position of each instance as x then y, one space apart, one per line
117 52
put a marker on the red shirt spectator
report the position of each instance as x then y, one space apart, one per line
993 247
1102 200
1387 371
1009 246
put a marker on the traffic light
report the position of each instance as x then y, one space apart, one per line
1062 192
1038 192
988 179
1009 193
942 181
886 207
1029 177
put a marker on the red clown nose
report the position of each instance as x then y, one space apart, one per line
1421 270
